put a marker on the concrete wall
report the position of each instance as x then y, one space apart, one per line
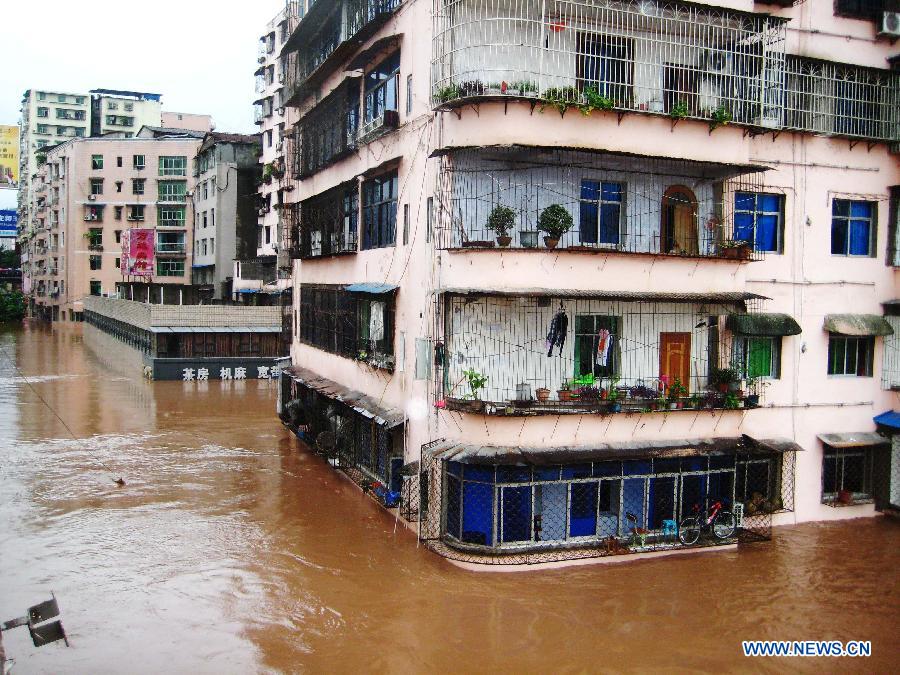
146 316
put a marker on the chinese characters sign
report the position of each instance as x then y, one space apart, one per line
138 251
8 220
9 156
237 373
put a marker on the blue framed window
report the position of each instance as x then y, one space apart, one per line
758 218
852 227
601 212
380 211
381 88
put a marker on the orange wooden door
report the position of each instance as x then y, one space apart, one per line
675 357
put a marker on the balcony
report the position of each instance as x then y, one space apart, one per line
176 248
604 203
328 33
329 131
552 351
671 58
382 124
328 223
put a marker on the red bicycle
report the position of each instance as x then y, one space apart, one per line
720 522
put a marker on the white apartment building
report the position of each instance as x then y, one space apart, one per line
125 112
565 270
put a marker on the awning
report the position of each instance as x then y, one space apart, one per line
862 325
518 455
853 440
215 329
374 289
364 405
363 58
763 325
888 419
636 296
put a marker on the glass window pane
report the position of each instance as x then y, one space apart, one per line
840 207
860 209
583 510
838 236
767 233
478 513
744 201
859 237
743 226
769 203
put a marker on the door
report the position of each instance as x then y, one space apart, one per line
679 222
607 64
675 358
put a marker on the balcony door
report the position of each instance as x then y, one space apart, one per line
675 358
678 226
607 64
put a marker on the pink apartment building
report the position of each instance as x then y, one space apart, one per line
566 270
93 193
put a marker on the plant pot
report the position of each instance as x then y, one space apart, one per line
753 400
615 407
845 497
473 243
528 238
673 405
679 405
542 394
504 241
550 242
565 395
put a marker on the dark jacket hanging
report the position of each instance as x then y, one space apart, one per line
559 326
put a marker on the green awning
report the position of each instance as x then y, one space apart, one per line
860 325
763 325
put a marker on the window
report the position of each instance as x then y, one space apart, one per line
96 288
118 264
847 475
203 220
596 347
118 214
42 96
379 211
118 186
170 242
757 481
850 355
852 227
381 88
203 247
96 162
96 186
136 212
405 224
173 166
758 356
43 112
172 190
212 246
118 234
212 217
758 218
601 212
205 190
138 161
269 138
429 215
893 247
137 185
61 98
112 105
96 261
409 95
170 268
171 216
857 9
606 64
129 107
43 129
93 213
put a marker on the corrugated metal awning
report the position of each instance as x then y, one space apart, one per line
373 288
853 440
636 296
889 419
859 325
518 455
215 329
364 405
763 325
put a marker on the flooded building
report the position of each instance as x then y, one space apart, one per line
600 272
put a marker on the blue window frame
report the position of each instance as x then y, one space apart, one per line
852 227
758 218
381 88
601 212
380 211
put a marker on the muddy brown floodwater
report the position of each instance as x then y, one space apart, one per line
232 550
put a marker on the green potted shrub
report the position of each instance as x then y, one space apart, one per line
676 392
719 117
555 221
501 221
476 382
723 379
679 111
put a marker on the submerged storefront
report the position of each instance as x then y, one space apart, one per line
517 505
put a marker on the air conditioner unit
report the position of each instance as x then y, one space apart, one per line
890 24
279 146
280 111
92 198
391 119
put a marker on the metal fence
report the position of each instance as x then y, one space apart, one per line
613 203
528 515
329 222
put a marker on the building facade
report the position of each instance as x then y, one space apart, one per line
598 264
226 170
124 112
191 121
92 194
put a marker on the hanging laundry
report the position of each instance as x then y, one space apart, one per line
604 342
376 321
556 336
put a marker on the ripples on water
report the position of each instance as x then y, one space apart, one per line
232 550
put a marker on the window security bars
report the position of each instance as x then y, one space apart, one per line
617 203
171 216
890 369
847 475
577 355
354 325
329 130
329 222
650 56
379 212
841 99
526 515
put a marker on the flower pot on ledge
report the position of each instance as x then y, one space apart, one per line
550 242
504 241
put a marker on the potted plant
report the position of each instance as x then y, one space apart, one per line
753 399
501 221
590 394
267 173
722 379
528 238
561 98
732 402
476 382
719 117
613 398
494 88
526 88
594 100
679 111
735 249
542 394
555 221
447 93
676 392
565 392
471 88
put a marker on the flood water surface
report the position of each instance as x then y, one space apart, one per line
232 549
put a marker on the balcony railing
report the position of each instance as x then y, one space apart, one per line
329 131
592 352
664 57
170 248
610 203
329 30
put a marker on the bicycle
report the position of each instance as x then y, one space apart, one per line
720 522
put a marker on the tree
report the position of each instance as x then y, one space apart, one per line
12 306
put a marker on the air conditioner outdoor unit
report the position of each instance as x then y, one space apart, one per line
92 198
890 24
279 146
